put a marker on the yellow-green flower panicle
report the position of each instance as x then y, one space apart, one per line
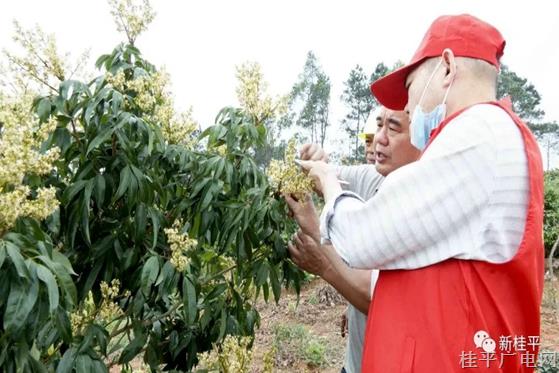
287 177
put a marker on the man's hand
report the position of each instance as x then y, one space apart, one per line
313 152
305 215
308 255
324 176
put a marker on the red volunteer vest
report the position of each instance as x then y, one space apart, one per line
424 320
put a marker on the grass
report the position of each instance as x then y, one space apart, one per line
296 341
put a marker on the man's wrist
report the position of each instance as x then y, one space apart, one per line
328 272
331 271
315 232
331 186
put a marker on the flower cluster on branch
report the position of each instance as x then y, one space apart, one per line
286 176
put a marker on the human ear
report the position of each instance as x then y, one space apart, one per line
449 62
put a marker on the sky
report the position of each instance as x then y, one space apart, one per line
200 42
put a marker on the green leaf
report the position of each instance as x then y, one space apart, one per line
67 362
62 270
85 210
155 225
189 299
36 366
20 303
222 324
68 88
124 183
102 60
196 226
2 253
84 364
132 349
94 104
47 277
17 259
149 274
99 190
166 272
92 276
117 99
43 109
207 197
220 167
216 292
72 190
276 287
99 139
261 274
140 221
61 259
101 336
105 134
67 285
99 367
266 291
199 186
63 324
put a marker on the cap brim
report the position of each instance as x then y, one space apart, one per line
390 90
363 136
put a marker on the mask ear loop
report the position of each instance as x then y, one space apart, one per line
448 90
429 81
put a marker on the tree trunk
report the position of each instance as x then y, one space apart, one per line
324 126
357 136
314 137
550 259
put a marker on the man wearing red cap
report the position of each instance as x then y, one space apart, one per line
460 238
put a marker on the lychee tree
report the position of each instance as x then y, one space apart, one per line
163 239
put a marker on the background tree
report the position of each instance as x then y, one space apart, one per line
526 103
551 215
310 100
358 99
548 135
524 95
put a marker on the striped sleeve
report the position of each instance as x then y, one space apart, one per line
425 212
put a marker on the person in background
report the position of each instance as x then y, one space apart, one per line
368 135
392 140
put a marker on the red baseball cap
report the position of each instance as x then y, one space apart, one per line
465 35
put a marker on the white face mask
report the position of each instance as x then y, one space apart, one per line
423 123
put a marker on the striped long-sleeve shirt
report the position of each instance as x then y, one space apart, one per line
465 198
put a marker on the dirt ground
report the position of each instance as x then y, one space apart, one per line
319 311
305 336
323 320
550 317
